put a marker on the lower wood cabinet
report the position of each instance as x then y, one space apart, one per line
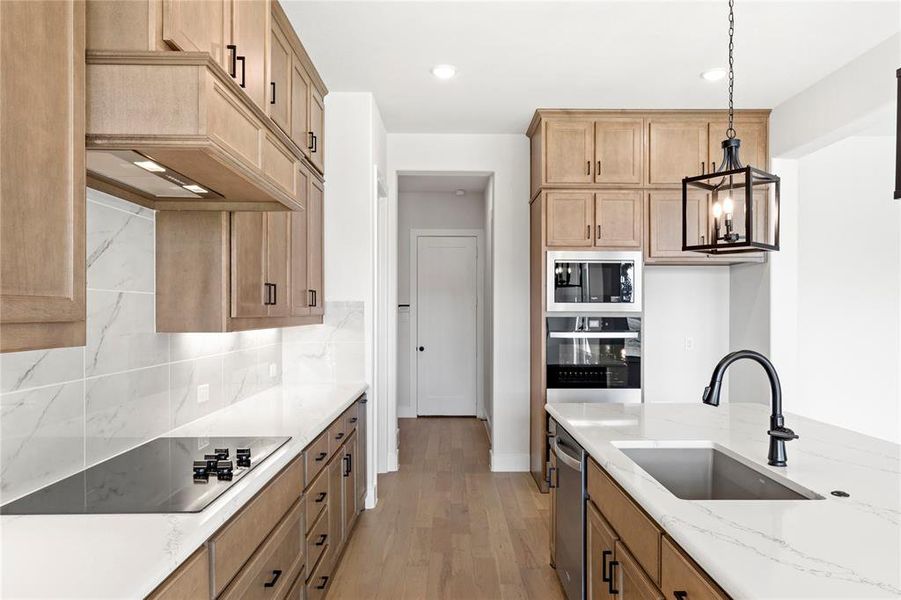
232 271
287 541
628 557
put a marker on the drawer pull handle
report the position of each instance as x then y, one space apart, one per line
321 456
340 435
275 575
322 538
321 497
611 586
273 92
680 595
241 59
604 574
353 420
324 580
232 65
348 464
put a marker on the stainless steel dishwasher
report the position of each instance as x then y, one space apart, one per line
569 514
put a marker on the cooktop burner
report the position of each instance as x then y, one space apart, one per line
166 475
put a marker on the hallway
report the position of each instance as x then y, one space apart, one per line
446 527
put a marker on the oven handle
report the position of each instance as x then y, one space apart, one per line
604 335
564 457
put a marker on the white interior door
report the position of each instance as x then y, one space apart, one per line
446 324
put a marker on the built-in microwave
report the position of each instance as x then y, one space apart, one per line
593 281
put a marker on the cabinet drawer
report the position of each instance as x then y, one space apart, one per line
232 545
678 573
633 582
319 580
636 530
337 434
191 580
275 565
318 538
316 499
316 457
297 590
351 417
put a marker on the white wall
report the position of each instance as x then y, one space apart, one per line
849 287
355 143
488 379
507 157
683 307
749 329
424 210
431 210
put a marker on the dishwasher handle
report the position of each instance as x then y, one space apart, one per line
564 457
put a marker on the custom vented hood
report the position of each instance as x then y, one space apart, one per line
171 130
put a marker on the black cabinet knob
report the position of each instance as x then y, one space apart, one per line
322 538
422 348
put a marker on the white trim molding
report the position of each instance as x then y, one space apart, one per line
508 463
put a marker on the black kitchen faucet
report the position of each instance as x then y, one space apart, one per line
778 432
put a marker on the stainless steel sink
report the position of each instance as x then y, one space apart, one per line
706 471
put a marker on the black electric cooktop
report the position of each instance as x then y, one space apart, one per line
166 475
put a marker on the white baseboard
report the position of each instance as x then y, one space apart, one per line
406 412
509 463
392 461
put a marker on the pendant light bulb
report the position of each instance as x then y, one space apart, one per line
717 210
728 206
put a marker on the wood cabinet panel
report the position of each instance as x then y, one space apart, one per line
250 27
677 149
248 255
279 165
190 581
319 537
600 543
316 498
680 574
317 128
42 218
280 70
552 488
315 226
618 150
362 454
537 416
300 296
630 580
336 508
665 226
197 26
639 533
300 105
319 579
569 151
349 497
278 262
269 573
316 456
618 219
337 435
570 218
233 544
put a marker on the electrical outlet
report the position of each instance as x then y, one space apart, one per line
689 343
273 369
203 393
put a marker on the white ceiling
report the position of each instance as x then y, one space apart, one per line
441 183
515 56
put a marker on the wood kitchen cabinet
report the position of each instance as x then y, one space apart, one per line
585 151
753 136
599 548
42 187
249 35
680 574
280 71
198 26
219 271
300 106
608 219
190 580
349 499
317 130
677 149
629 579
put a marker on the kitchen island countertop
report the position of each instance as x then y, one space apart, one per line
828 548
127 556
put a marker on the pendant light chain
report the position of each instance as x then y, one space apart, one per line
730 132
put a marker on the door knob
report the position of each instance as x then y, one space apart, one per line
421 348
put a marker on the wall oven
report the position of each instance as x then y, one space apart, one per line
593 281
593 358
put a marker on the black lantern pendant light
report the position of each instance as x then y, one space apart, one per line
737 205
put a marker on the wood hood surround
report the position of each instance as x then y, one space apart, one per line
183 111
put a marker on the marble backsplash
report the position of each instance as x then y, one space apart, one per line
333 352
64 409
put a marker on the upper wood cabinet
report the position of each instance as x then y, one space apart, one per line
608 219
300 106
42 185
250 33
570 217
568 151
677 149
220 271
280 71
586 151
198 26
665 224
317 130
753 136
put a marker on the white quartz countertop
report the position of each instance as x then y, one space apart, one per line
829 548
127 556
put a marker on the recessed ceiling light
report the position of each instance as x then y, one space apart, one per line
714 74
460 192
193 187
151 166
444 71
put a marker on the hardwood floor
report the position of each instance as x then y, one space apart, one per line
447 527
